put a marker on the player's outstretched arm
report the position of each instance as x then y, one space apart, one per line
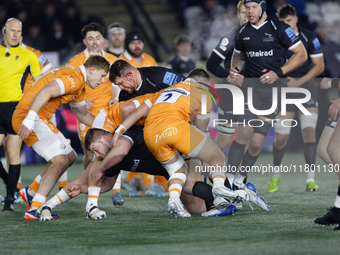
83 115
140 112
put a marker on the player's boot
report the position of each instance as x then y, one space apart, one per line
17 198
156 190
95 213
273 185
311 186
25 196
222 210
117 199
131 188
35 215
254 196
8 204
46 214
226 193
332 217
176 207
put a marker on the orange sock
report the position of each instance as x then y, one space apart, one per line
162 181
147 179
131 176
37 201
62 184
34 186
19 185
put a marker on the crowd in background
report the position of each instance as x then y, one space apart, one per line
54 25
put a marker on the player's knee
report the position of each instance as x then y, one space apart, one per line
72 158
322 152
332 150
60 161
263 129
308 120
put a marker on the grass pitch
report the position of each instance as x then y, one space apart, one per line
143 226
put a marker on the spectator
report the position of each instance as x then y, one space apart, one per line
181 61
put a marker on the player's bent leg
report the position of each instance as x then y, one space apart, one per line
323 144
193 204
209 152
177 170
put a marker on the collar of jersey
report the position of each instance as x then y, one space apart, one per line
87 53
258 27
128 56
3 44
189 81
83 70
139 86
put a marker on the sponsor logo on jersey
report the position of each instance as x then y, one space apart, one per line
260 53
148 80
171 78
225 41
316 44
291 34
167 133
246 38
269 38
135 165
42 60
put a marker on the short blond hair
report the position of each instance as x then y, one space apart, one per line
240 3
97 61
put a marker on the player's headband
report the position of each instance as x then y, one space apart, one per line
116 30
261 3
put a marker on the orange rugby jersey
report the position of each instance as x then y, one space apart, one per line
43 63
182 101
102 94
110 118
72 86
147 60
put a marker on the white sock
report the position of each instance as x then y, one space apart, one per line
276 171
310 176
231 178
218 179
92 197
175 191
337 202
60 198
118 182
239 181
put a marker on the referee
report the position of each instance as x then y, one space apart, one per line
15 64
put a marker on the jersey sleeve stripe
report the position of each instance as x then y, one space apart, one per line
237 51
293 46
130 139
316 55
77 104
219 54
61 85
99 121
